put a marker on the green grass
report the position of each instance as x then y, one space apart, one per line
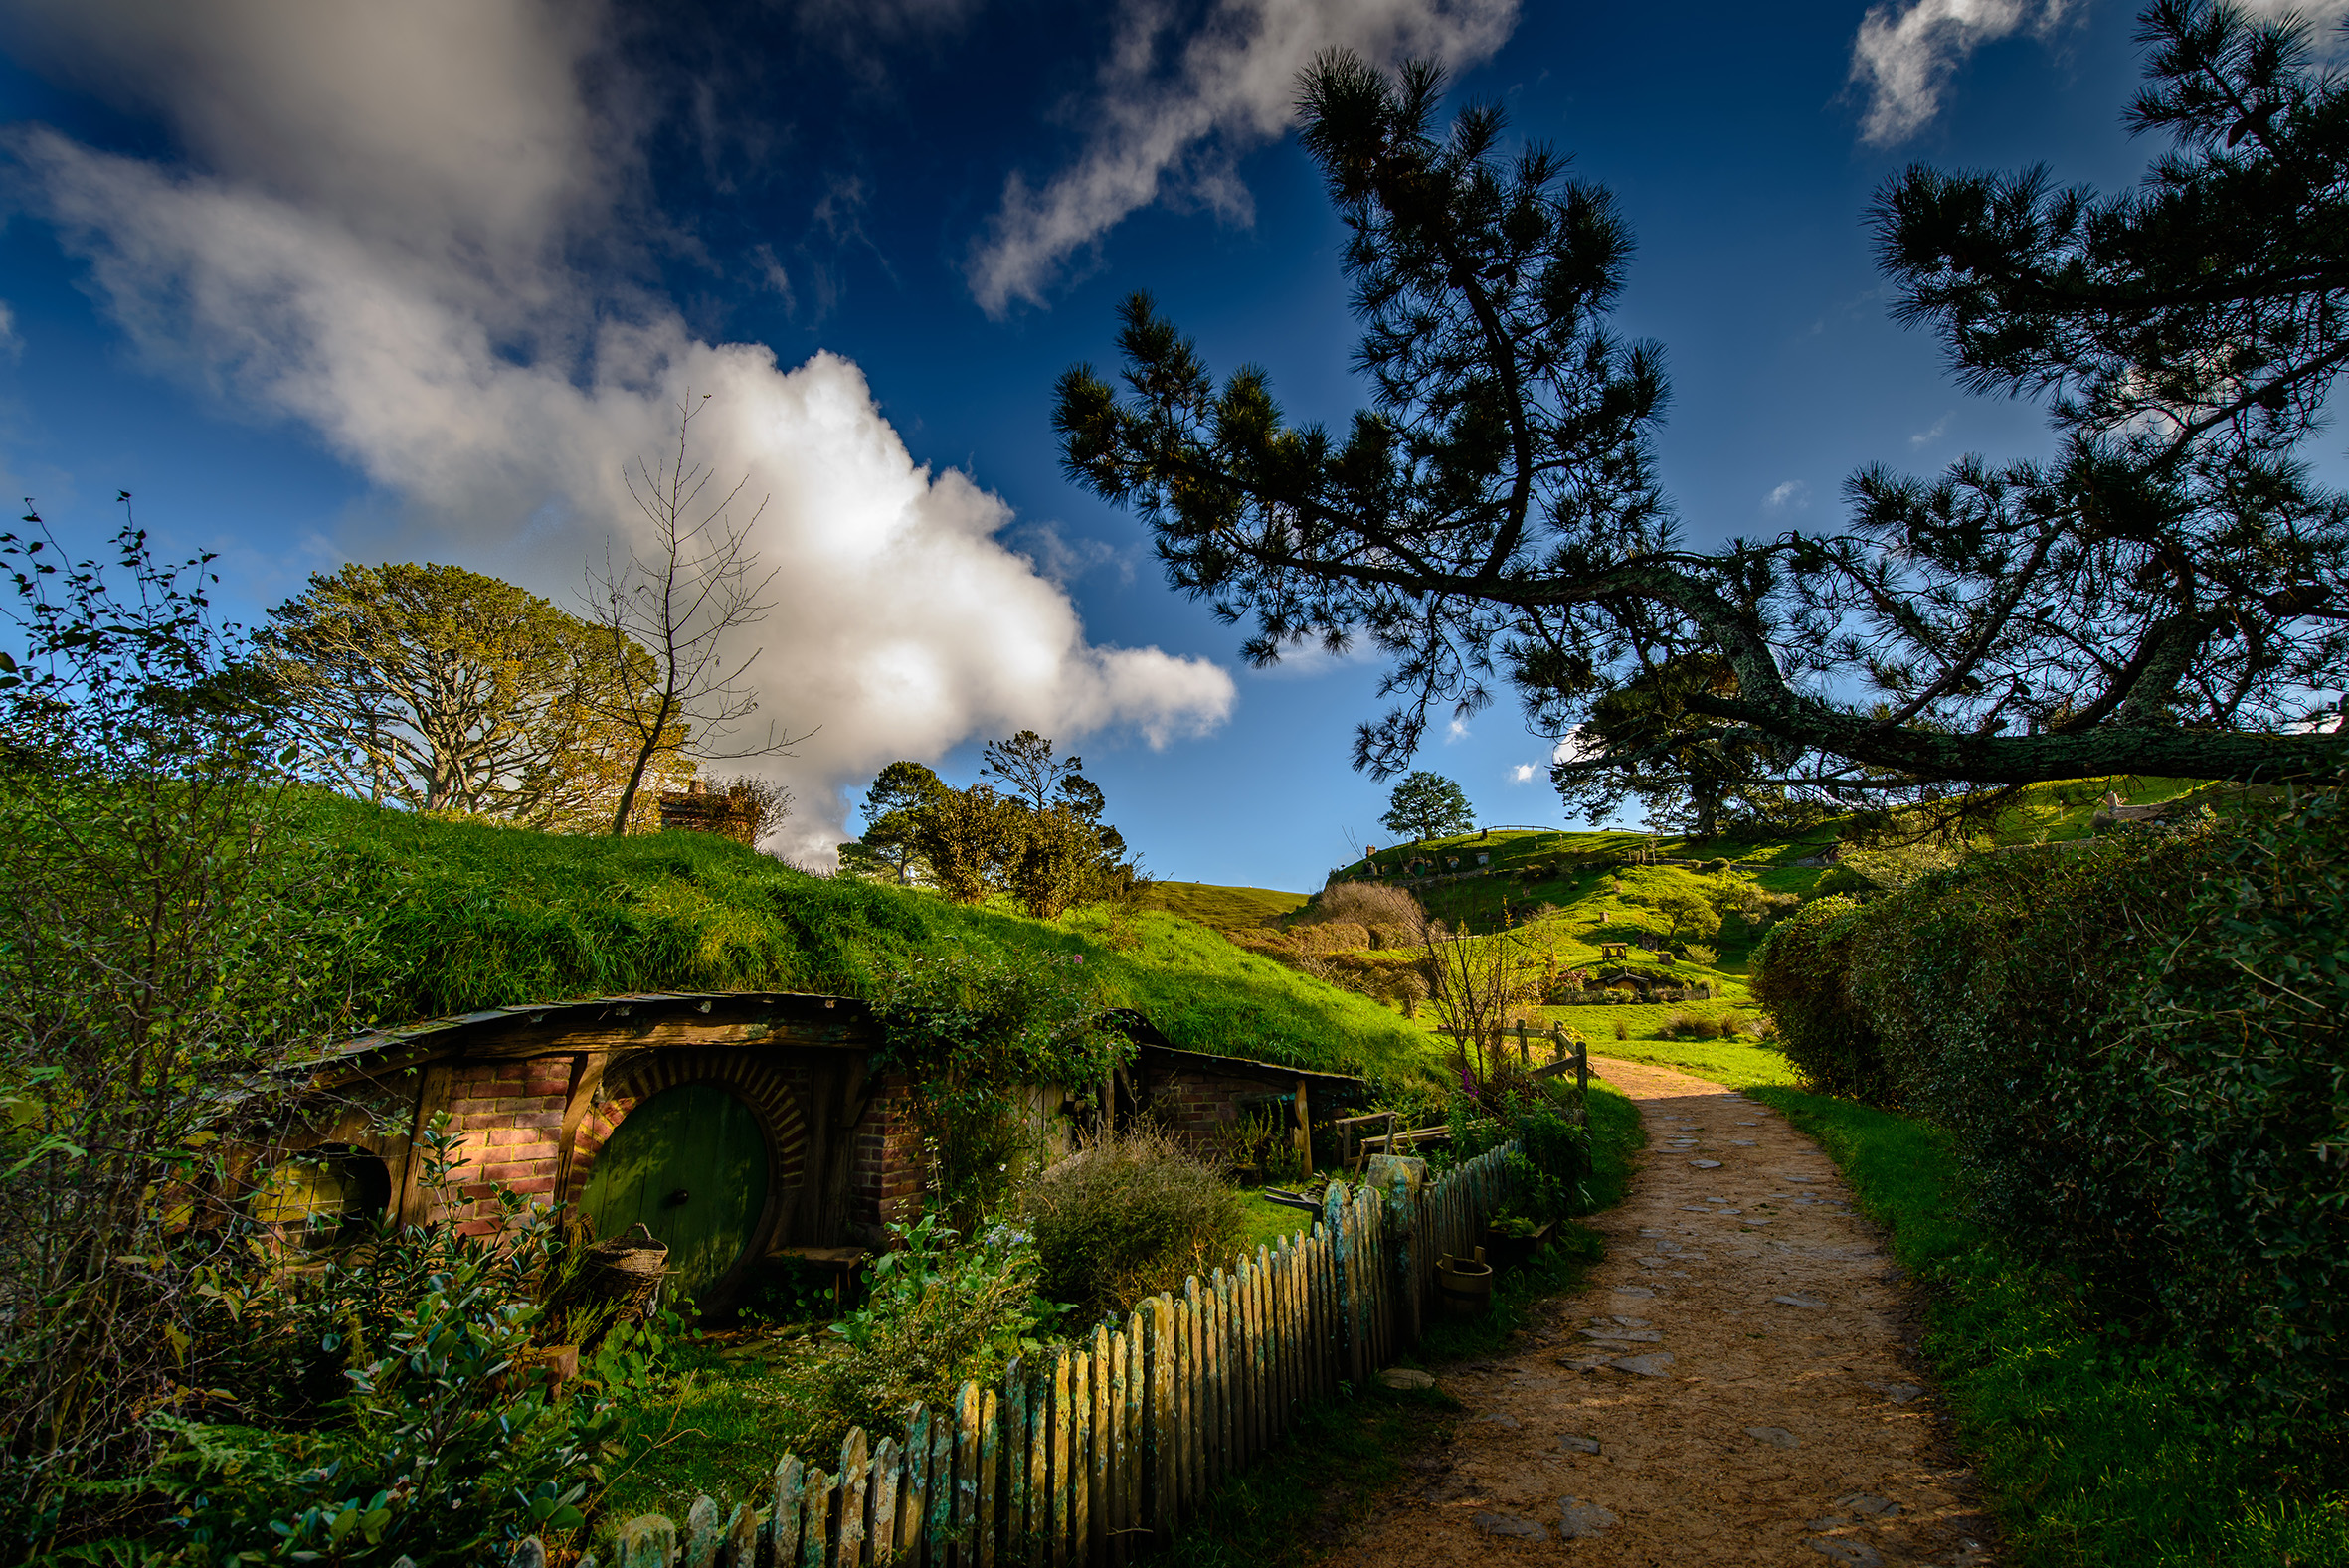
448 917
1221 908
2100 1453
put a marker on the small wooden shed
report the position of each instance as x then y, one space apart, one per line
730 1124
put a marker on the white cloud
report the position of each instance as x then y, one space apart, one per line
1174 125
397 269
1934 431
1522 773
1904 57
10 343
1455 732
1792 496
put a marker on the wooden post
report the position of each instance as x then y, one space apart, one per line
1100 1450
816 1521
939 1528
1059 1461
855 1478
969 1406
888 1479
432 1097
1304 1136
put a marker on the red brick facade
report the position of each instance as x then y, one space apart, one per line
885 1172
1196 1104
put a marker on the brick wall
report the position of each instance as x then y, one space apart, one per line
1194 1104
885 1169
507 1118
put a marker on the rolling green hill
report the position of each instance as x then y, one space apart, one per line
444 917
1220 907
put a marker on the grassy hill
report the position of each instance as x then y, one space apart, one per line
1220 907
445 916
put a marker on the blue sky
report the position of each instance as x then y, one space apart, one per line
337 281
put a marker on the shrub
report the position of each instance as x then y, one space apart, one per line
938 1314
1690 1027
1372 904
1702 957
1127 1217
1801 973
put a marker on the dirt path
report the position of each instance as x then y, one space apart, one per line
1730 1388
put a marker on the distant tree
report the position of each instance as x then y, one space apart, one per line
1428 805
1029 773
679 606
442 689
2165 592
1694 772
765 804
887 846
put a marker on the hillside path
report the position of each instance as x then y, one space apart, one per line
1730 1388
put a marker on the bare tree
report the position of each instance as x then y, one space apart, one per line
678 603
1474 984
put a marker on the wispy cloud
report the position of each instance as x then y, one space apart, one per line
380 233
1455 732
1792 496
1934 431
1172 113
10 343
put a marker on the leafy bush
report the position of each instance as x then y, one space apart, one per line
968 1029
1801 973
2136 1046
1372 904
938 1315
442 1445
1127 1217
1690 1027
1699 953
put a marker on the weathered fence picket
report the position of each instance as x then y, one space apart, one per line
1108 1446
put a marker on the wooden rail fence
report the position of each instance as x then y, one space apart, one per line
1104 1450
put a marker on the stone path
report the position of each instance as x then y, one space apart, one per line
1730 1389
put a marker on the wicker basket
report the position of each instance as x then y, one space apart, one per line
626 1272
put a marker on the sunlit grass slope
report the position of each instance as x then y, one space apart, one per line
454 915
1224 909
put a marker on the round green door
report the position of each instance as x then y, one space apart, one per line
691 1165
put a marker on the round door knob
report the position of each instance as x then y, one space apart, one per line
679 1196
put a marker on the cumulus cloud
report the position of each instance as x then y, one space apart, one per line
401 270
1905 56
1170 115
1792 496
1523 772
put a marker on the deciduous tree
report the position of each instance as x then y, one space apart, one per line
1428 805
680 606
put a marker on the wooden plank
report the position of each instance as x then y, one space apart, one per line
1121 1444
783 1509
432 1097
1160 1413
991 1464
913 1508
1080 1454
964 1525
1058 1517
888 1478
1194 1391
1016 1427
816 1521
1102 1509
1040 1466
1218 1443
855 1480
938 1526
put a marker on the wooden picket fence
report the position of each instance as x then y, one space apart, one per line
1104 1451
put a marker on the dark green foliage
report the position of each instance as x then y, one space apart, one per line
1126 1218
2137 1050
1801 971
970 1030
377 1406
938 1314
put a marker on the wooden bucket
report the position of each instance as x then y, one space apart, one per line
1463 1286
